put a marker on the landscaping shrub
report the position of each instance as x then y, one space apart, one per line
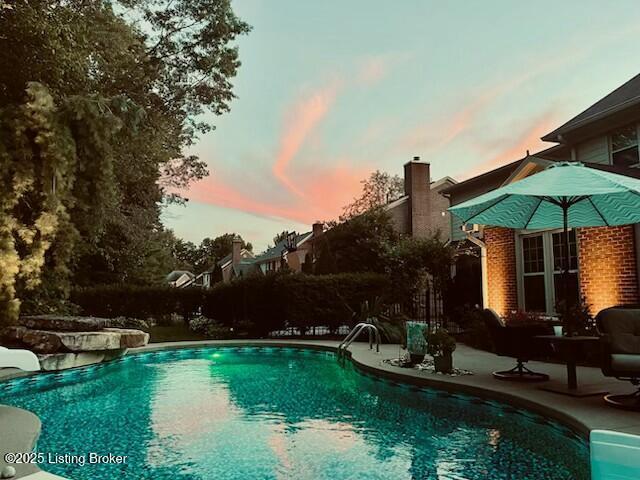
210 328
252 307
475 331
275 302
128 322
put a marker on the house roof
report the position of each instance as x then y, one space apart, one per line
176 274
244 253
275 252
500 174
444 181
626 171
439 185
623 97
496 175
245 267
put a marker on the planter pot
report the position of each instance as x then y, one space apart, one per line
443 363
416 358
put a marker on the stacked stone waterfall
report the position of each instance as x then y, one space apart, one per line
63 342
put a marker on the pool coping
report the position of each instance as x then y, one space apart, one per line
361 357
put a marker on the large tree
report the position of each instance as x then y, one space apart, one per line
378 189
214 250
356 245
198 258
99 101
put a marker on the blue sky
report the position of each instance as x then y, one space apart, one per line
330 91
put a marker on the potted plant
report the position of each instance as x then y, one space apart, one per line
440 345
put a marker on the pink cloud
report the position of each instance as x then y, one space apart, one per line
528 140
324 191
300 120
439 133
216 191
375 68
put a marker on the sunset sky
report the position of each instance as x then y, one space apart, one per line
329 91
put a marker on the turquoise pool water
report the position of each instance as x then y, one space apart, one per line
272 413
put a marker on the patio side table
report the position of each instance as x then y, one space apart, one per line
570 349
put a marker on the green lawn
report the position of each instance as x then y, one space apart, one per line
173 333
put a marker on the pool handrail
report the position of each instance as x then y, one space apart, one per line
353 334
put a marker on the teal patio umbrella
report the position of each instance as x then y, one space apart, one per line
566 194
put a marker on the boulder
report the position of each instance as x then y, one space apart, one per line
63 323
41 341
130 338
60 345
44 341
13 334
62 361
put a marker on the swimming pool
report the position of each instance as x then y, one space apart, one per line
278 413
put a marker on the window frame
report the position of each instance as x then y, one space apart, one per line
549 266
612 151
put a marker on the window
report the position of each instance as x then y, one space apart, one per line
559 265
534 289
542 267
624 146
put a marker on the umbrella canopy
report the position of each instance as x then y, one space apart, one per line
590 198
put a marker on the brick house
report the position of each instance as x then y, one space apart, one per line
422 210
521 268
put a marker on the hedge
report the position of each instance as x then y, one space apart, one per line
267 303
121 300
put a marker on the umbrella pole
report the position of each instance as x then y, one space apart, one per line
565 273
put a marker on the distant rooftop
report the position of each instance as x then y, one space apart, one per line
176 274
275 252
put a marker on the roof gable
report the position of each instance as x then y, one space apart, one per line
275 252
625 96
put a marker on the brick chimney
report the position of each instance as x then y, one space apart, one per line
317 229
236 250
417 181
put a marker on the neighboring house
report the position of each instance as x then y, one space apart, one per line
232 265
293 251
179 278
422 210
522 269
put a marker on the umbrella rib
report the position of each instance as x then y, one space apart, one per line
533 212
486 208
598 210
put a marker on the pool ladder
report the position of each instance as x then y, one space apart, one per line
353 334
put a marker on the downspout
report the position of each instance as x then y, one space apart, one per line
636 231
483 267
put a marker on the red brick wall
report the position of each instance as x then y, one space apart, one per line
607 262
501 269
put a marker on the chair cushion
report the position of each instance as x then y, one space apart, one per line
625 343
619 320
621 362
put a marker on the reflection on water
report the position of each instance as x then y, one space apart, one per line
282 414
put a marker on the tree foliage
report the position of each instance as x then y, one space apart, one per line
380 188
356 245
369 243
198 258
98 103
411 262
